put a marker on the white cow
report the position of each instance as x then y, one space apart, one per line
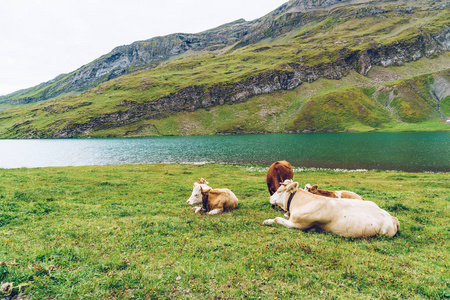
345 217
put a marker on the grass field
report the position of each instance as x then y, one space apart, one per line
124 232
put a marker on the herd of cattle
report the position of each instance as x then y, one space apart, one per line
341 212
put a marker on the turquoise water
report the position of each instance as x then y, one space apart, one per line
424 151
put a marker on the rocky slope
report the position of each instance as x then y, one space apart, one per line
298 43
149 53
290 77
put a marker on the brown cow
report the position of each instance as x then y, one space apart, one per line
332 194
278 172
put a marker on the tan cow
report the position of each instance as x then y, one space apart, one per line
332 194
212 201
345 217
278 172
216 201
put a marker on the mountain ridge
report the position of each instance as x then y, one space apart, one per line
151 52
280 53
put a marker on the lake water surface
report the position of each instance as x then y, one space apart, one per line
423 151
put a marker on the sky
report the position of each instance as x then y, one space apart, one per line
40 39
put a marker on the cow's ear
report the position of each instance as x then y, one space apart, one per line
314 188
293 187
202 181
205 189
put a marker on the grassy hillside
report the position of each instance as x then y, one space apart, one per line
338 35
362 107
120 232
338 111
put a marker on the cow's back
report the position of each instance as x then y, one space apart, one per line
349 195
361 219
342 216
278 172
222 198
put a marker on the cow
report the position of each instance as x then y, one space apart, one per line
278 172
332 194
341 216
212 201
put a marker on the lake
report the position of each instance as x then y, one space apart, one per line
412 152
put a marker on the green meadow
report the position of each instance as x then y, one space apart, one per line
126 232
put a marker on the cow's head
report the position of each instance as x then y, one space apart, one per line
196 196
312 189
282 194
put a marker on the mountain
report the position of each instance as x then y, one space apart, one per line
150 53
160 86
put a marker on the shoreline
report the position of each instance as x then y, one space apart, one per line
249 166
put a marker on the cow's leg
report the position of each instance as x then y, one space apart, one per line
197 209
215 211
268 222
284 222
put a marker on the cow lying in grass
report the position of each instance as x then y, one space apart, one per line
212 201
345 217
332 194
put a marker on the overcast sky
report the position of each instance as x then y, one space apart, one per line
40 39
